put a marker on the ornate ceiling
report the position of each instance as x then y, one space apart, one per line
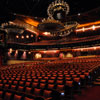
29 13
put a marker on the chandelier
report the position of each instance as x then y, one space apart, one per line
55 24
58 9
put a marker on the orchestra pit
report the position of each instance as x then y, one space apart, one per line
49 50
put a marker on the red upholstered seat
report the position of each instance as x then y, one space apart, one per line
68 78
28 89
53 78
79 73
12 78
26 98
7 96
46 78
29 80
13 87
60 87
23 79
36 80
86 73
60 75
21 82
17 97
34 84
54 75
59 81
50 86
82 76
17 79
1 85
27 83
1 93
10 82
6 86
47 93
0 81
43 81
67 75
50 81
60 78
74 76
4 81
42 85
40 77
37 91
20 88
69 83
77 79
15 82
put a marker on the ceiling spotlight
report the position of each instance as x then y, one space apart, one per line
10 50
78 14
93 27
83 29
29 52
16 52
22 37
17 36
46 33
27 36
32 35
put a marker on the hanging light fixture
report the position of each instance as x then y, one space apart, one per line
58 10
55 24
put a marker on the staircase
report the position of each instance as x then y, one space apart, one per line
97 81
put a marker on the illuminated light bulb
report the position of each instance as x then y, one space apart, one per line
93 27
39 38
78 14
81 49
79 83
32 35
29 52
17 36
10 50
27 36
62 93
24 52
89 77
83 29
94 48
44 51
16 52
55 51
22 37
24 55
38 55
46 33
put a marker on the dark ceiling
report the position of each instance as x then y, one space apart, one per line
38 8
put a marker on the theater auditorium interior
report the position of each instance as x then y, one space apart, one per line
49 50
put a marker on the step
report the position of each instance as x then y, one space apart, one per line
99 77
96 83
98 80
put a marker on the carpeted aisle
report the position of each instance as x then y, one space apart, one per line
92 93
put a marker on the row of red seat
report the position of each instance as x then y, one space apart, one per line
14 95
53 77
